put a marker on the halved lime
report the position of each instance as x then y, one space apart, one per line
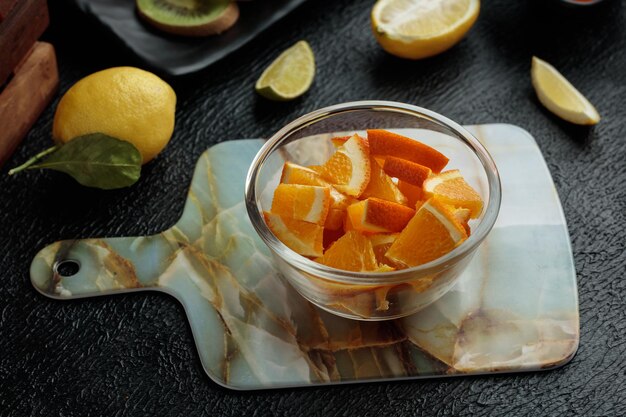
290 75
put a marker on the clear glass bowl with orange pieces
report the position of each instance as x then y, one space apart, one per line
372 209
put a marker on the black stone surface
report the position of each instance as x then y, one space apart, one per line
134 354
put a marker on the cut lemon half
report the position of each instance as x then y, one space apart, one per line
560 96
417 29
290 75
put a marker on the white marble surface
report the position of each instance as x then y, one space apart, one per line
514 309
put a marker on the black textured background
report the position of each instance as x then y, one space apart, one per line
134 354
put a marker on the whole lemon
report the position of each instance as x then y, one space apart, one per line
124 102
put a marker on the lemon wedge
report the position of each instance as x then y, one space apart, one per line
560 96
290 75
418 29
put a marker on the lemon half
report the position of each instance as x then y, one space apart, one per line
417 29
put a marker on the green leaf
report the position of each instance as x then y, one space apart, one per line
96 160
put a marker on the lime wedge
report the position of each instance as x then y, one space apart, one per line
290 75
560 96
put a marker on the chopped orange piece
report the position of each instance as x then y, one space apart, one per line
450 188
347 223
382 186
406 171
430 234
339 140
413 193
302 237
296 174
352 252
379 216
386 143
462 215
381 244
384 268
302 202
349 167
334 220
316 168
330 236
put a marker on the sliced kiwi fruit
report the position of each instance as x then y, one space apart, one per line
189 17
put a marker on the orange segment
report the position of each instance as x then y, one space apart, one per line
352 252
386 143
302 202
331 236
296 174
334 220
462 215
349 167
384 268
316 168
413 193
381 185
302 237
430 234
379 216
406 171
339 140
450 188
381 244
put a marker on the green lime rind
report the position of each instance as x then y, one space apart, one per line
290 75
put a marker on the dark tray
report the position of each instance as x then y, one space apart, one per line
173 55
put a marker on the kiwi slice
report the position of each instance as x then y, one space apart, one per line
189 17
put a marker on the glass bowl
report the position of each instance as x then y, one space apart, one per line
367 295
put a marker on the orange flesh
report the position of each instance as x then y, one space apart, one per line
381 244
427 237
382 186
296 174
355 212
406 171
352 252
339 140
455 191
413 193
462 215
382 142
302 202
334 220
338 169
348 169
379 216
301 237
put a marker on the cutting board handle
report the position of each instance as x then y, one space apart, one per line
84 268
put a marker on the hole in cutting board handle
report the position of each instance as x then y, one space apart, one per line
67 268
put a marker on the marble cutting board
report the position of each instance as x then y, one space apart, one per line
514 309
